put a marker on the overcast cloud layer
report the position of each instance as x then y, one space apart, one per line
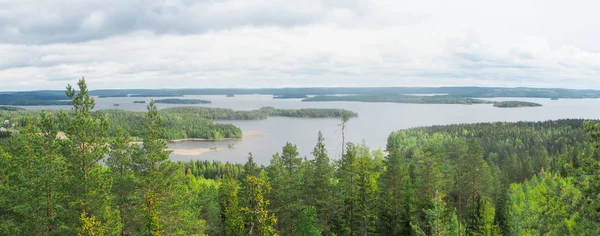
45 44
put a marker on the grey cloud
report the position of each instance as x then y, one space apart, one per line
58 21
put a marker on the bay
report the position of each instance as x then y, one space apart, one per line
373 125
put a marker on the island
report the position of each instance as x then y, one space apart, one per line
230 95
289 96
139 102
399 98
258 114
186 122
182 101
514 104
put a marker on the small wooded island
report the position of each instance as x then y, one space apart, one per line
182 101
514 104
139 102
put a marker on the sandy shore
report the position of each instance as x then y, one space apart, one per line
252 133
245 134
195 151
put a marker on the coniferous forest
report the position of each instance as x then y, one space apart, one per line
525 178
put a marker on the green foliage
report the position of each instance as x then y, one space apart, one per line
214 169
88 182
257 218
307 222
525 178
262 113
546 204
231 215
512 104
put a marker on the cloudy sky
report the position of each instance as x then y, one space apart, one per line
45 44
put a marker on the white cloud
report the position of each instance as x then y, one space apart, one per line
235 43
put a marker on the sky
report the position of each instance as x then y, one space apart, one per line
47 44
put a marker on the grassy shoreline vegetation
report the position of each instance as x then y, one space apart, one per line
468 179
182 101
516 104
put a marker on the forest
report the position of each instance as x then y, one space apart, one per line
259 114
56 97
512 104
524 178
179 122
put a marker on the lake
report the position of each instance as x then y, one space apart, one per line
375 122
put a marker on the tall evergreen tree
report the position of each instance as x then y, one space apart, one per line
229 203
89 184
125 190
477 178
164 190
319 192
391 196
287 181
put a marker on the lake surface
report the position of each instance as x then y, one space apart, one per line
375 122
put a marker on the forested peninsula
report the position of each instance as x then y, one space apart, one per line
259 114
513 104
180 122
524 178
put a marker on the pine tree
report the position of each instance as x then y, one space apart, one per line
120 161
477 178
53 169
164 192
89 184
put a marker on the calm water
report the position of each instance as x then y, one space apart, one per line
375 122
